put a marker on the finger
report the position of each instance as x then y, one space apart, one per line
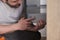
30 19
28 23
41 22
21 19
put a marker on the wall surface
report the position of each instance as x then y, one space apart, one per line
53 19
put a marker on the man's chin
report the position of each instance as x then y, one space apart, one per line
13 6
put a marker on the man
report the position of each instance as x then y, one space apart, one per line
14 25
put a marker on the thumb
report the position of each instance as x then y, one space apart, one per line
21 19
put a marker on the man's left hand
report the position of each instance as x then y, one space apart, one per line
40 24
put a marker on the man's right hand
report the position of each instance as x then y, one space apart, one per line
23 24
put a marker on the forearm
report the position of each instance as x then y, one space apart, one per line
7 28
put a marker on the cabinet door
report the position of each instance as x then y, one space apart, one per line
53 19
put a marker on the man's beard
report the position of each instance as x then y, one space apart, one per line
16 6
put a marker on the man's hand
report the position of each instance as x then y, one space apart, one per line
40 24
23 24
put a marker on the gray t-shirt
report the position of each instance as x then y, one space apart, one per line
9 15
